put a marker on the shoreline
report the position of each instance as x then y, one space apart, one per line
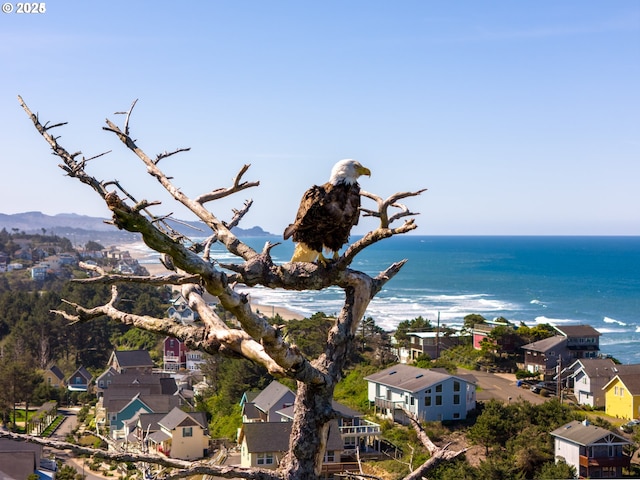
139 252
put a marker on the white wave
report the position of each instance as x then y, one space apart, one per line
535 301
604 330
554 321
614 340
637 329
611 320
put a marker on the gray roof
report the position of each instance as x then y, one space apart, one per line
409 378
178 418
586 434
57 372
250 396
545 344
83 372
345 411
264 437
109 372
149 421
629 375
250 411
159 436
133 358
342 411
577 330
594 367
271 395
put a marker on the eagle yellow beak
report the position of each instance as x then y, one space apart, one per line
363 171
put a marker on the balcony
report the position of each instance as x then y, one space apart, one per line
369 428
620 461
381 402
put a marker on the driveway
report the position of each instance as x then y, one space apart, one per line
501 387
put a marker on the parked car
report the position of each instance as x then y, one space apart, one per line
628 427
550 387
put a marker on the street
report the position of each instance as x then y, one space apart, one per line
501 387
66 427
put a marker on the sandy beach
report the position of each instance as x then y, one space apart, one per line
139 251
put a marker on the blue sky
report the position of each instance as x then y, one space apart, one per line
519 117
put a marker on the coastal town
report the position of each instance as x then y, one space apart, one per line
153 402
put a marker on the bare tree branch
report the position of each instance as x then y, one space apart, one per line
383 206
182 468
438 454
224 192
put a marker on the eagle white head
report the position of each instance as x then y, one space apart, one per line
347 171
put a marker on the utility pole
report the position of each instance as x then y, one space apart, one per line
559 385
438 337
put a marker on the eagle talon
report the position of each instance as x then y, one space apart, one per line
322 260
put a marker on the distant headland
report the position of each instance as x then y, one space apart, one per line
82 228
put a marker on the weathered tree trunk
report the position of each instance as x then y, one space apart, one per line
196 272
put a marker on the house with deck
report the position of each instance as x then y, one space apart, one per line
429 394
571 342
594 452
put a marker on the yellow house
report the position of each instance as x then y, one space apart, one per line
54 377
181 435
622 393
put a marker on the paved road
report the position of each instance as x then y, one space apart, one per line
70 422
501 387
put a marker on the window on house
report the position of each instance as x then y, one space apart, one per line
439 388
456 386
456 399
438 399
456 415
264 459
427 401
330 456
187 431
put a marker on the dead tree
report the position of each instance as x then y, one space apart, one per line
195 272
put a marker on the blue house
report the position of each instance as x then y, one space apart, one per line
80 380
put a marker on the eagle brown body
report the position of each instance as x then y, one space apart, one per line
327 213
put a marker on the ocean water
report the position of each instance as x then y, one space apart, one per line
537 279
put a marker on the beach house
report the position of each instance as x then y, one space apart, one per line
430 394
594 452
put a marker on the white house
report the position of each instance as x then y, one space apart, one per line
594 452
589 375
430 394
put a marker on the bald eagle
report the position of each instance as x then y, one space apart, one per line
327 213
